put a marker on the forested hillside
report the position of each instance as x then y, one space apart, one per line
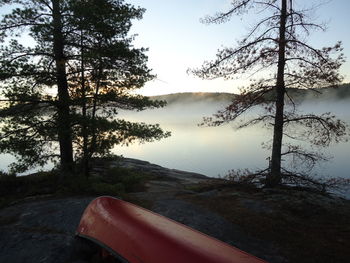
341 92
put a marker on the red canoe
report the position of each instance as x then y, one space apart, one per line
136 235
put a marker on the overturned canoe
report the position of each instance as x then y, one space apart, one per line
136 235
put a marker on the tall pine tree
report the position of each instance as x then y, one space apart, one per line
105 72
276 46
65 87
33 68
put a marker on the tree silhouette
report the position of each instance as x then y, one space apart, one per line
104 72
68 86
276 47
44 20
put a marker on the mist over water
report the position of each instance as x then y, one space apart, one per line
214 151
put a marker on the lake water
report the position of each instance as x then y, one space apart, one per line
214 151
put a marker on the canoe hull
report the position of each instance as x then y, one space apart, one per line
136 235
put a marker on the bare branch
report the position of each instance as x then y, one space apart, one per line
237 6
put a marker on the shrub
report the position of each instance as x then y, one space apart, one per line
108 189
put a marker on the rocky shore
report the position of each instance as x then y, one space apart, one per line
42 229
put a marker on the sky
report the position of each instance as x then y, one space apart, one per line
176 39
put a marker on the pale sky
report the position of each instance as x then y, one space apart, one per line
177 40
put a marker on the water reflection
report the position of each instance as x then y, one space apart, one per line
210 151
215 150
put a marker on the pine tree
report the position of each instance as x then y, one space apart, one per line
26 72
276 46
99 67
106 71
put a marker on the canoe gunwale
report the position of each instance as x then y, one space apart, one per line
104 246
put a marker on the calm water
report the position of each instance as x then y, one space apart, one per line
215 150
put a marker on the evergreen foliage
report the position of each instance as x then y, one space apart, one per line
64 91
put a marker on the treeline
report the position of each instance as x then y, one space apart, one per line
338 92
60 96
341 91
189 97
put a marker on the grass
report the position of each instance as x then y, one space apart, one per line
114 182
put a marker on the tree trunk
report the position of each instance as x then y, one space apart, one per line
64 122
86 158
274 178
93 114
